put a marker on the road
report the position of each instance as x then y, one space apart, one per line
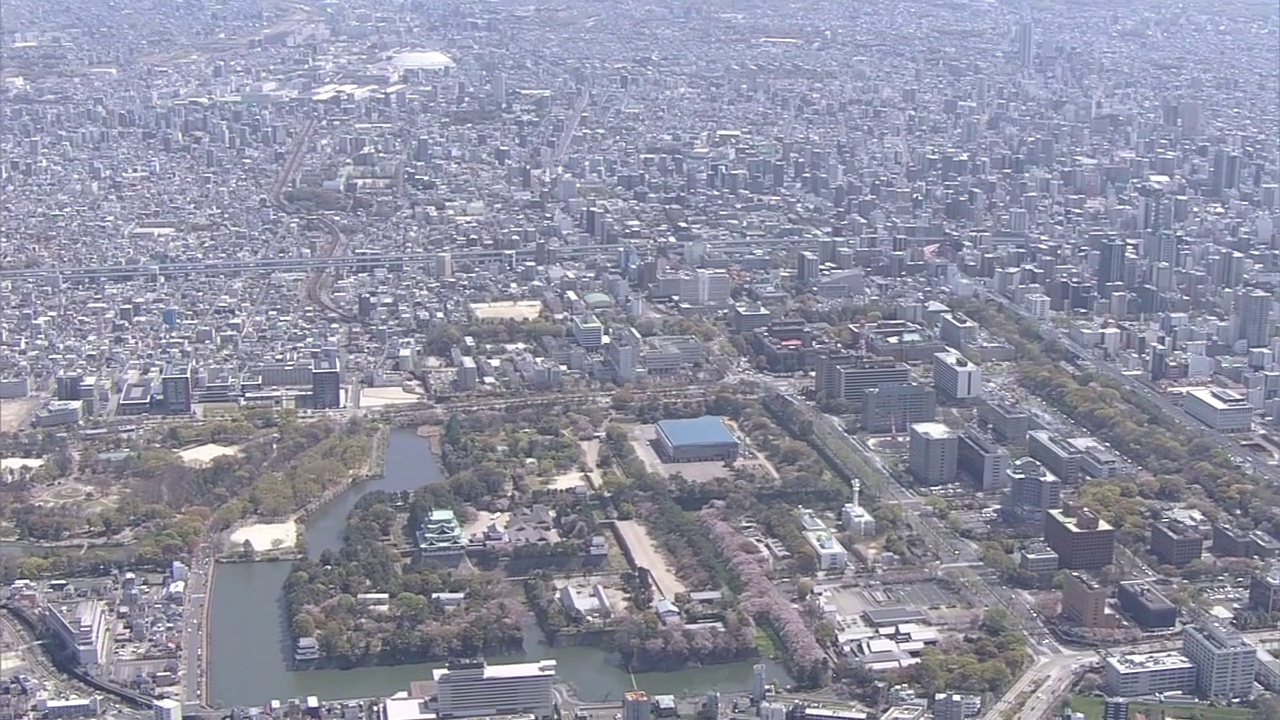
195 647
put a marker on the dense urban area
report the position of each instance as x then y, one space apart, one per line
445 359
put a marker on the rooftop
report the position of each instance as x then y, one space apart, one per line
933 430
705 430
1150 661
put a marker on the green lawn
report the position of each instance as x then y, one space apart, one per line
1091 706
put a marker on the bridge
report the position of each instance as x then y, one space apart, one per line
369 261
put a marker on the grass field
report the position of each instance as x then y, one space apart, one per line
1091 706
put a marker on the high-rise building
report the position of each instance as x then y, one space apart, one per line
1082 540
893 408
955 377
714 287
471 688
982 460
807 264
1255 318
1111 262
67 386
933 453
1033 490
1084 601
1175 543
1061 458
175 386
1225 662
588 332
326 384
1026 37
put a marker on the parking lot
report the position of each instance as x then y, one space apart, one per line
851 602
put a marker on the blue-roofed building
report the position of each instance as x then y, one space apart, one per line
701 439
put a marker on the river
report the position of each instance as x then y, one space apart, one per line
249 649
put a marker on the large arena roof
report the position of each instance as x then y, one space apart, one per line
705 430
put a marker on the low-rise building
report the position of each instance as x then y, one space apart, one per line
1221 409
1148 607
1142 675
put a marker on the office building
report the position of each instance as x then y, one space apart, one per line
845 377
933 453
1033 491
1264 590
894 408
326 384
1142 675
1007 423
1225 662
472 688
1084 601
807 267
746 318
67 386
1221 409
166 709
1229 541
1255 318
956 378
1037 559
713 287
956 330
175 386
588 332
1111 262
1082 540
1058 457
1096 460
985 462
1148 607
1175 543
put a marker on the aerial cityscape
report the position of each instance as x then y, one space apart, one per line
601 359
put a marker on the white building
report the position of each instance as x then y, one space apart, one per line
856 520
955 377
1221 409
1141 675
471 688
588 332
1037 305
166 709
830 553
1225 662
714 287
83 628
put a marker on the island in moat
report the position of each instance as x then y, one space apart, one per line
558 514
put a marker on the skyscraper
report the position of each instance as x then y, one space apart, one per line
1026 45
1255 318
1111 264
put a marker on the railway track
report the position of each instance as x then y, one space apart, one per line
318 282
